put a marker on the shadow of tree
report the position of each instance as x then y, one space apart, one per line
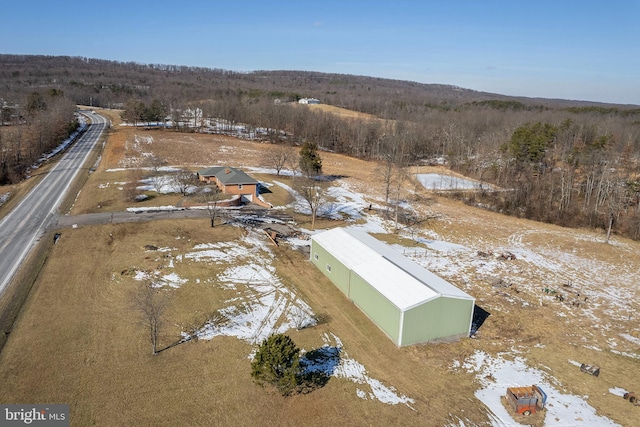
330 178
317 367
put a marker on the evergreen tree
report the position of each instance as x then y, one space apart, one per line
277 362
529 143
134 111
310 161
155 112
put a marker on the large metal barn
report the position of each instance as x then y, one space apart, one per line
409 303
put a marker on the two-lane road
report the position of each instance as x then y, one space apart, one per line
26 223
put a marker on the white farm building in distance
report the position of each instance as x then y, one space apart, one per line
309 101
409 303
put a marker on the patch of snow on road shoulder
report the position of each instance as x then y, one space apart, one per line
154 208
4 197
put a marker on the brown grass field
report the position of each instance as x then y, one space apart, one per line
338 111
79 338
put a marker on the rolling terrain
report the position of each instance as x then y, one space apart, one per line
230 285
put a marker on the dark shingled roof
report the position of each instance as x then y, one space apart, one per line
227 175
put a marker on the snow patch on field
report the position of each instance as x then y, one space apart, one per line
435 181
354 371
342 202
158 280
172 279
261 305
618 391
164 184
631 339
495 374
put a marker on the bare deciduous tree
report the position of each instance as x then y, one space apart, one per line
615 203
210 196
130 189
388 153
400 178
313 192
151 303
184 181
155 163
158 182
4 164
278 157
133 111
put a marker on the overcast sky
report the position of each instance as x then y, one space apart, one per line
570 49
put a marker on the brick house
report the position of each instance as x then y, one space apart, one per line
232 181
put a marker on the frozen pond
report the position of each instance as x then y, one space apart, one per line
436 181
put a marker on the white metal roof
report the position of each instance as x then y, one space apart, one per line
402 281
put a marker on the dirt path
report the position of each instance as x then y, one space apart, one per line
72 221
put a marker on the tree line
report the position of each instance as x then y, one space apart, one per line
107 84
564 167
570 174
30 129
565 162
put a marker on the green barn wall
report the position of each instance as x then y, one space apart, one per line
437 320
378 308
440 319
339 274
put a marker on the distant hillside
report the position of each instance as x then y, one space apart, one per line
110 83
565 162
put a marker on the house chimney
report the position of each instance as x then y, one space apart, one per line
227 171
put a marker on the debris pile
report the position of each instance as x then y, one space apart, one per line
590 369
506 255
631 397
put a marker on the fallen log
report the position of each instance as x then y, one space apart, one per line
272 236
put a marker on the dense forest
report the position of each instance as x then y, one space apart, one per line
45 119
572 163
